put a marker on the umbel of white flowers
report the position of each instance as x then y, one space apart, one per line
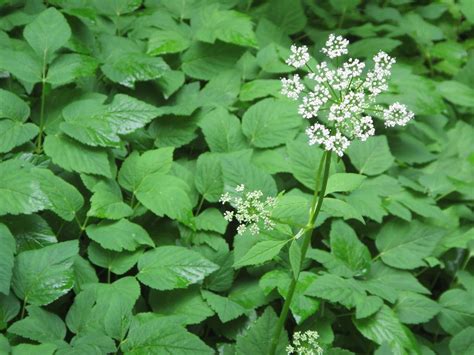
340 99
305 344
252 211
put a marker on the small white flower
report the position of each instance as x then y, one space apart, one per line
299 56
383 63
225 198
240 188
338 143
335 46
397 115
364 128
228 215
317 134
313 102
305 344
292 88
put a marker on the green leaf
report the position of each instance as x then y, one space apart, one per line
271 122
24 65
165 195
42 276
257 339
187 304
48 32
70 67
40 325
457 93
225 308
462 343
366 306
344 182
136 167
339 208
208 177
157 337
212 220
73 156
295 257
412 308
167 41
170 267
7 255
404 245
222 131
107 202
260 253
288 16
128 68
20 193
259 88
27 349
221 90
14 133
384 326
11 106
467 9
117 262
457 311
211 23
120 235
371 157
9 309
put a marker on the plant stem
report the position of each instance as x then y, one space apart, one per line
316 205
23 307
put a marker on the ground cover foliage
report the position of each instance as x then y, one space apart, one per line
121 124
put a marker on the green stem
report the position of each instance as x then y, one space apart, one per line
108 275
316 205
23 307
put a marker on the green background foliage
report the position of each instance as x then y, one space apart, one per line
123 121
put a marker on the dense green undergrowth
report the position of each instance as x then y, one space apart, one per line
123 121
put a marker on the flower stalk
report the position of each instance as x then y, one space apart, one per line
316 205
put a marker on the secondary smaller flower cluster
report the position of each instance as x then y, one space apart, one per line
340 98
251 210
305 344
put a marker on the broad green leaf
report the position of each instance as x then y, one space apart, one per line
42 276
116 7
7 255
40 325
462 343
457 93
9 309
212 220
366 306
260 253
20 193
258 338
170 82
70 67
404 245
157 337
187 304
27 349
171 267
117 262
222 131
136 167
384 326
14 133
344 182
225 308
48 32
271 122
24 65
74 156
369 47
457 312
339 208
208 177
119 235
107 202
11 106
259 88
165 195
295 258
222 90
289 16
372 157
467 9
234 27
167 41
203 61
412 308
129 68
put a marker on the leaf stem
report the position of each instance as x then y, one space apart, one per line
316 205
23 307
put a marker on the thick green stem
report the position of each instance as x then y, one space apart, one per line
316 205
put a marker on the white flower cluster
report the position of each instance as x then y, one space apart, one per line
341 99
251 210
305 344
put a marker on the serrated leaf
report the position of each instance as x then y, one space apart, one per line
344 182
457 311
366 306
457 93
9 309
170 267
24 65
261 252
41 276
225 308
73 156
40 325
462 343
271 122
70 67
295 258
412 308
48 32
117 262
107 202
404 245
372 157
11 106
7 254
165 195
119 235
14 133
167 41
208 177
